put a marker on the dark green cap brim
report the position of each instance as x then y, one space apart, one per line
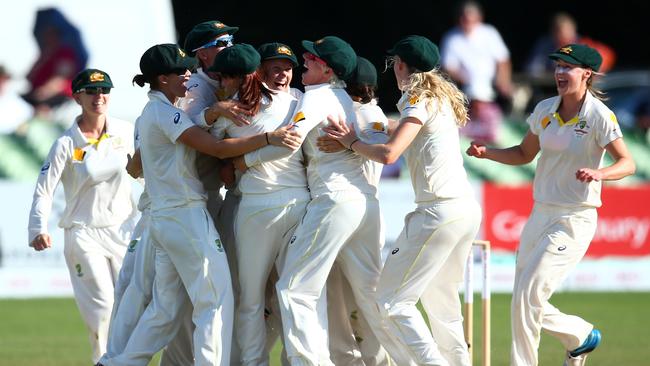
283 57
309 46
225 30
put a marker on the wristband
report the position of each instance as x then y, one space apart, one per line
266 134
352 143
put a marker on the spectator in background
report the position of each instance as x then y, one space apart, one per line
563 30
475 56
13 109
62 56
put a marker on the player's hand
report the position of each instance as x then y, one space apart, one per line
234 110
285 136
587 175
339 130
476 149
227 174
41 242
134 164
329 145
240 163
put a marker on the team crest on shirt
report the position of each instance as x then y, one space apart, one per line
293 239
78 268
219 245
545 122
132 245
581 129
298 117
414 100
45 167
378 126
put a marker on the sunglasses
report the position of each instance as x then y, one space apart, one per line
311 57
95 91
221 42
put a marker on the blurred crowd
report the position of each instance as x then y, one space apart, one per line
474 55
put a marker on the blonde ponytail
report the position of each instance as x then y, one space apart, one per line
434 86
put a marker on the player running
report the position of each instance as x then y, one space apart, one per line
572 131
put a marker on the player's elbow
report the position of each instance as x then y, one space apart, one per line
389 156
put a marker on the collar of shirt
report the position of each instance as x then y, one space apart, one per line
582 114
81 140
318 86
159 96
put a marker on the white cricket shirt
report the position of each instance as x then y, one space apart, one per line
97 188
271 176
372 128
566 147
169 168
434 157
326 172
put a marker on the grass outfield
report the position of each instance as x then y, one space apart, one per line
49 332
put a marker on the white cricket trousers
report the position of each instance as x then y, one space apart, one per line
133 293
94 257
190 269
352 341
337 225
553 241
429 255
264 226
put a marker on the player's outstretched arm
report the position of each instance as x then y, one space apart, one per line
202 141
520 154
387 153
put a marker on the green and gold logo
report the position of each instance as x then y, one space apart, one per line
132 245
96 77
219 246
283 50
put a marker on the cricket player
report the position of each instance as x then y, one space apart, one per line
89 160
438 235
352 341
342 219
572 131
274 195
204 41
181 229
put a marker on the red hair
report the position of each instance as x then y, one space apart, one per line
251 91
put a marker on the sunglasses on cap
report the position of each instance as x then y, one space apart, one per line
311 57
95 90
221 42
